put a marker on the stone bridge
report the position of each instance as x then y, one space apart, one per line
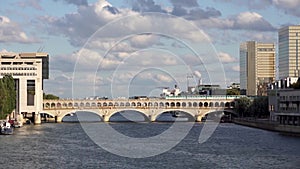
151 108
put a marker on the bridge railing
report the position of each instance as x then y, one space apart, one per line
206 97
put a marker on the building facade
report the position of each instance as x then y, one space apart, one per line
288 46
28 70
284 102
257 67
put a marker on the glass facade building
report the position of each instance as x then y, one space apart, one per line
288 45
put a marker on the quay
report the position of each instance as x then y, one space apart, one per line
266 124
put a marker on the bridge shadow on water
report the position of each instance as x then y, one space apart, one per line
133 119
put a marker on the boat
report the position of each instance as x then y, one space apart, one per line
6 128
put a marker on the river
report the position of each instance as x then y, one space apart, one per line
66 145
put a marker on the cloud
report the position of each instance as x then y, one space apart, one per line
188 3
31 3
75 2
11 32
288 6
226 58
242 21
236 68
146 6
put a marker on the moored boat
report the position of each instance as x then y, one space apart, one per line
6 128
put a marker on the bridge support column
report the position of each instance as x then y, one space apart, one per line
105 118
199 118
37 118
152 118
58 119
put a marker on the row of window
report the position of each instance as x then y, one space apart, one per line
19 74
18 68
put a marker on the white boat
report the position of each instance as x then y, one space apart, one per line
6 128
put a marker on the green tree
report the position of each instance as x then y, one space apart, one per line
242 107
259 107
7 96
50 97
232 92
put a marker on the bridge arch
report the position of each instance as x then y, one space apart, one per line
112 113
154 117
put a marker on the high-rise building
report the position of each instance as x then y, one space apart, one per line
28 71
257 67
289 39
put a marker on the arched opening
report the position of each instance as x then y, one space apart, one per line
81 105
211 104
47 105
205 104
139 104
128 116
133 104
104 104
167 104
150 104
200 104
122 104
217 104
161 104
155 104
195 104
58 105
87 104
52 105
172 116
46 117
75 104
110 104
172 104
227 104
116 104
145 104
65 105
82 116
98 104
184 104
222 104
93 104
127 104
232 104
190 104
178 104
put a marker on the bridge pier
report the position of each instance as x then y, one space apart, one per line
199 118
105 118
152 118
37 118
57 119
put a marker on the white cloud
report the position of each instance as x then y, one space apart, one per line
226 58
236 68
11 32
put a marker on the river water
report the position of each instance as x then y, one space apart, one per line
66 145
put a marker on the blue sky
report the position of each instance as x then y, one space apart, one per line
134 47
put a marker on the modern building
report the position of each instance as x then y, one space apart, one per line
28 70
257 67
288 46
284 102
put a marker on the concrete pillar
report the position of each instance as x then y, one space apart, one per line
106 118
199 118
37 118
152 118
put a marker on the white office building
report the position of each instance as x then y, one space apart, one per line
29 70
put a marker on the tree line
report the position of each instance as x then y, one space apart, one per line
258 107
7 96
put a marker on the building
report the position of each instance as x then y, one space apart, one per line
257 67
288 46
28 70
284 102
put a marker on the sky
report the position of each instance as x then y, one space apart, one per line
124 48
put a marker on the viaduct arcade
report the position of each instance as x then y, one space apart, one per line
150 108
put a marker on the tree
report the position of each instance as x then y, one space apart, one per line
242 106
50 97
232 92
7 96
259 107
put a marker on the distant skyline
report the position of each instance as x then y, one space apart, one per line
135 52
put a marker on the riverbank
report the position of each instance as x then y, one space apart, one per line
268 125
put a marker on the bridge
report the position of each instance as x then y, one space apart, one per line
195 106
